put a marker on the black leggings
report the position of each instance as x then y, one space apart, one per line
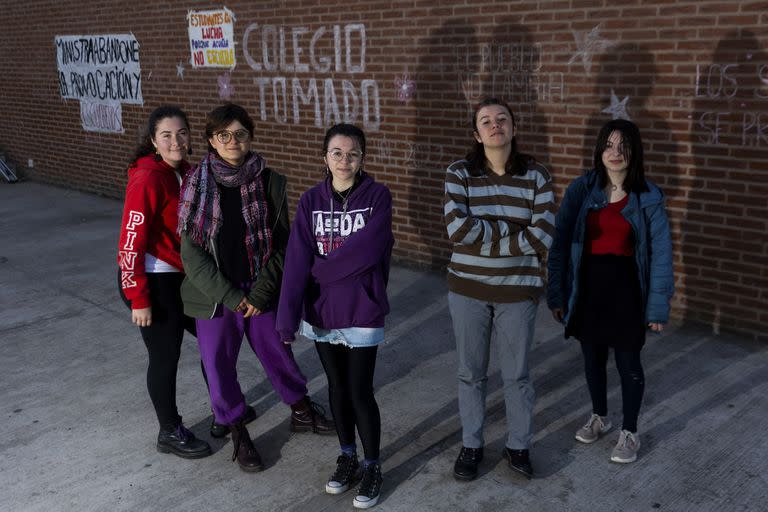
350 393
163 341
632 381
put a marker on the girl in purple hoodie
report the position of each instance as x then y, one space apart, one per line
334 292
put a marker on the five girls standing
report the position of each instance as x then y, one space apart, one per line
610 278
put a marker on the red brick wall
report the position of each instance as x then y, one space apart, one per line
694 75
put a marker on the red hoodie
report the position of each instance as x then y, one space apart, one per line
149 224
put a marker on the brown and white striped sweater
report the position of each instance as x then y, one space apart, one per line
501 228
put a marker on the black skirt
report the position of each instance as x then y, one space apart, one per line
609 308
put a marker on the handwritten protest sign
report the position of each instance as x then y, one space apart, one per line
211 38
99 68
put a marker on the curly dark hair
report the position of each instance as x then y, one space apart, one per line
221 117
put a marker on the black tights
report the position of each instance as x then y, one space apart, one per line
632 381
163 341
350 393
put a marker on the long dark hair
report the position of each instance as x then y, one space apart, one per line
631 149
221 117
145 146
517 163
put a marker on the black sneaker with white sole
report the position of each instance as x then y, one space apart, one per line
346 475
370 487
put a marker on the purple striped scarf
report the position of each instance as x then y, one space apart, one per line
200 206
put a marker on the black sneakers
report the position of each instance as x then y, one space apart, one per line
219 430
370 487
467 463
520 461
346 475
182 442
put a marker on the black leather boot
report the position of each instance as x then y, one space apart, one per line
467 463
219 430
520 461
307 416
182 442
245 453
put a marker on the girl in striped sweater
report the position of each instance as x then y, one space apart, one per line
498 211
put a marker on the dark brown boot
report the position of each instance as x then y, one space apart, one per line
307 416
247 457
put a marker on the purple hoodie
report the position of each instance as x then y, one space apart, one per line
337 278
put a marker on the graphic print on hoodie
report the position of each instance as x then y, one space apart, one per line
332 228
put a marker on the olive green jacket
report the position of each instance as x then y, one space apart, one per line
205 287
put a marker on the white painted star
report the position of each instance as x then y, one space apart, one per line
180 70
588 43
618 109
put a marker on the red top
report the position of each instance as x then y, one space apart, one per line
608 232
149 225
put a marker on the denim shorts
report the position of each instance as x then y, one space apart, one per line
349 336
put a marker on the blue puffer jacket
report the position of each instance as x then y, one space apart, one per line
653 246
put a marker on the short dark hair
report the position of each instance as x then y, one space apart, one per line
631 148
145 146
221 117
347 130
517 163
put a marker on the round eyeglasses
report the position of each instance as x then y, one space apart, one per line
225 136
338 155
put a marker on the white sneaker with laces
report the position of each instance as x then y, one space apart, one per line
593 429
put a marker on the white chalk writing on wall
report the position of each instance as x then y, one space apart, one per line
618 108
225 86
404 88
587 45
731 85
512 71
274 51
211 38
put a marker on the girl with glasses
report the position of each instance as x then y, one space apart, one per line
233 221
334 293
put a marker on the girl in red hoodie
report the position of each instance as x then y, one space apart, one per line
151 271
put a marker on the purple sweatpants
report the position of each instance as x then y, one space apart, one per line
220 339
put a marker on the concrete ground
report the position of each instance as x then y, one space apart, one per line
78 430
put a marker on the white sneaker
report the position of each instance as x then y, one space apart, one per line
627 447
593 429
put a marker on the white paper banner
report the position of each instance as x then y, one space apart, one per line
100 68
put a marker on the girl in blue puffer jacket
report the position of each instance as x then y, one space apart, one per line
610 274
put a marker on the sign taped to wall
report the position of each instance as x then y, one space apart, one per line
212 38
99 68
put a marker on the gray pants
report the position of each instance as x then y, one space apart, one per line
511 325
